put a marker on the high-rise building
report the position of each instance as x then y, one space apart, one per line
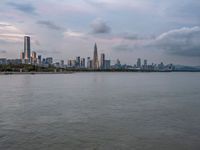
138 63
22 55
107 64
82 62
95 58
62 63
118 64
102 65
89 63
145 62
3 61
71 63
27 48
39 59
49 60
78 61
34 57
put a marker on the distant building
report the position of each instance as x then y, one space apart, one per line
107 64
14 61
102 61
27 48
82 62
118 64
145 62
43 61
161 66
71 63
34 57
78 61
138 63
22 55
49 60
95 58
145 66
3 61
89 63
62 63
39 59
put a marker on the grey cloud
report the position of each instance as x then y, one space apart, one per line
131 36
3 51
49 25
100 27
123 48
183 42
4 25
37 43
95 3
180 42
25 7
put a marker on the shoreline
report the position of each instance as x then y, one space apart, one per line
70 72
33 73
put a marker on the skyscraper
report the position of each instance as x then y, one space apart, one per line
82 62
107 64
34 57
27 48
102 65
95 58
22 55
138 63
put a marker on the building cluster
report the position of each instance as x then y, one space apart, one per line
28 57
93 64
151 67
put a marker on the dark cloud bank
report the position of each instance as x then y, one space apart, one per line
23 7
49 25
99 27
182 42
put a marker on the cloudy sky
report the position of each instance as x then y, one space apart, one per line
157 30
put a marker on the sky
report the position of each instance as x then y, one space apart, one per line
156 30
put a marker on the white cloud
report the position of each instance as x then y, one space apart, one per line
70 33
10 33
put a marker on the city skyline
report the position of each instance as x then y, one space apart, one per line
156 31
28 57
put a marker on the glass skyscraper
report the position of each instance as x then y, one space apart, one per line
27 48
95 58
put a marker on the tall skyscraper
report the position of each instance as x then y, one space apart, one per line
102 65
138 63
27 48
95 58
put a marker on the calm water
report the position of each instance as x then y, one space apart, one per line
100 111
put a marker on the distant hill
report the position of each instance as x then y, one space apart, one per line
186 68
